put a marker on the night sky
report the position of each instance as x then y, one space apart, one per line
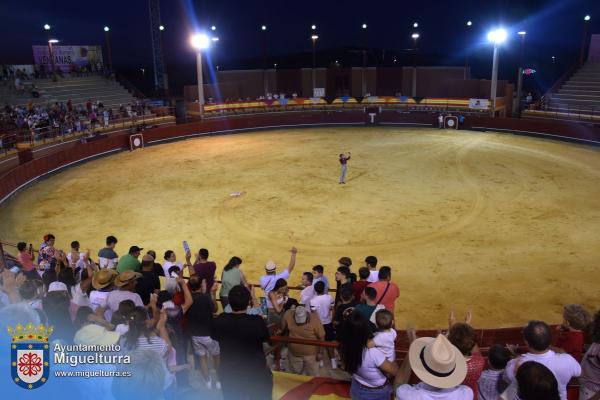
554 28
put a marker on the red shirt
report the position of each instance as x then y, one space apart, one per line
571 342
358 287
390 296
206 271
475 366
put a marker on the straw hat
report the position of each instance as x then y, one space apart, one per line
270 266
103 278
437 362
125 277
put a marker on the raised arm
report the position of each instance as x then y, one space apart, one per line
187 295
292 263
86 283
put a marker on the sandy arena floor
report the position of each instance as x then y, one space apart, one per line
506 226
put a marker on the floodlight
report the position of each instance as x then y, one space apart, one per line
587 18
162 27
415 36
264 27
213 28
53 41
469 23
314 37
200 41
47 27
497 36
106 29
313 27
416 25
522 33
364 26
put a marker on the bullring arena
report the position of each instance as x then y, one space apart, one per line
467 220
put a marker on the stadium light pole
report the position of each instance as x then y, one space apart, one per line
47 28
469 25
200 42
415 37
586 23
263 29
497 37
520 70
51 52
108 49
364 60
314 38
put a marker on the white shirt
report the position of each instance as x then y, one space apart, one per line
104 262
322 305
117 296
169 264
385 341
98 299
369 374
78 297
373 276
267 283
423 391
307 294
563 366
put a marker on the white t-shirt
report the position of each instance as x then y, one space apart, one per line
369 374
322 305
385 341
267 283
373 276
563 366
78 297
423 391
169 264
307 294
98 299
117 296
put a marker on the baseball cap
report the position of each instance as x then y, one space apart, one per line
135 249
57 287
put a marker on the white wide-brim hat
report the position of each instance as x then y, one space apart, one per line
437 362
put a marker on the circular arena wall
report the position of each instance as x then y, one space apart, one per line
533 255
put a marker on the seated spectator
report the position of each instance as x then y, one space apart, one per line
439 365
231 276
464 338
318 276
385 337
387 291
536 382
308 291
370 306
371 264
538 339
590 365
361 284
103 283
367 365
303 324
243 369
107 256
130 262
322 305
490 384
200 322
278 297
570 340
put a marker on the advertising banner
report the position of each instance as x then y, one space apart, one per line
479 104
64 56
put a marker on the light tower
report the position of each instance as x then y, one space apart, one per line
160 81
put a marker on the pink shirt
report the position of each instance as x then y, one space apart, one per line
25 260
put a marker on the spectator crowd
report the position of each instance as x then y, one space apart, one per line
165 315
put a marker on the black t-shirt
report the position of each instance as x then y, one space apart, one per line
146 285
158 269
338 293
338 316
200 315
240 337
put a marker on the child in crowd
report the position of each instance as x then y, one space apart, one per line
490 384
575 321
385 337
319 277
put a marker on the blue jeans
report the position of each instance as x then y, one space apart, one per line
360 392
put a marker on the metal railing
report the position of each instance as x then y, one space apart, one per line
567 112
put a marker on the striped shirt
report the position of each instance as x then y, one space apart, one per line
490 384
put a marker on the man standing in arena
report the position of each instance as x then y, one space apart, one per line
344 163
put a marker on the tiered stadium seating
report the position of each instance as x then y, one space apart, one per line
581 92
78 89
